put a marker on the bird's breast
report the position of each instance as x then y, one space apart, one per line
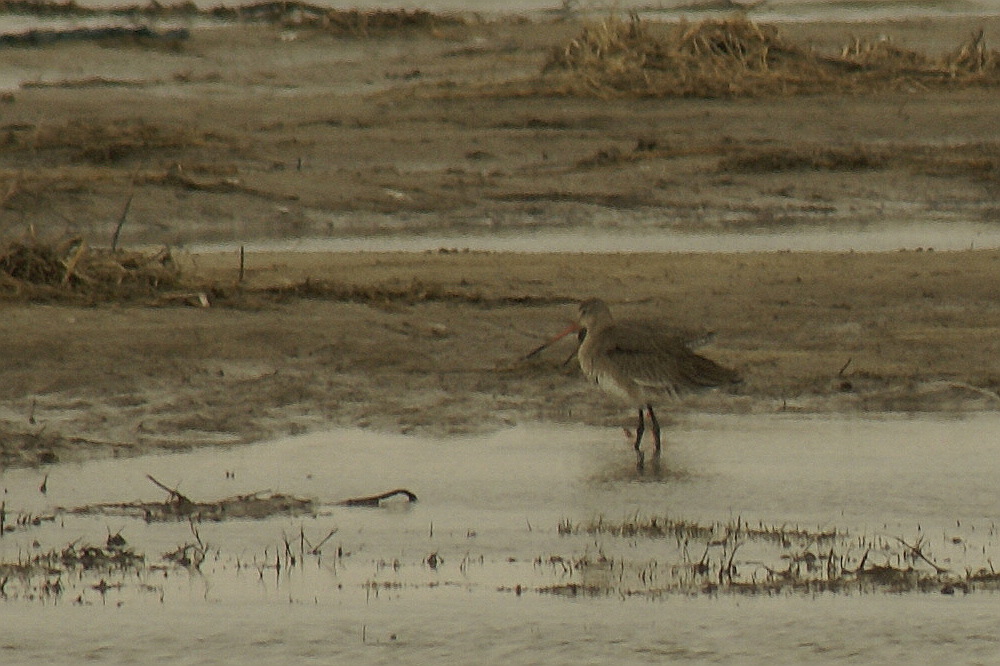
615 385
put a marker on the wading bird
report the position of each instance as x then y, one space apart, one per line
634 359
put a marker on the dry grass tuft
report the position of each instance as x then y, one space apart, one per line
709 59
738 57
969 63
973 58
31 269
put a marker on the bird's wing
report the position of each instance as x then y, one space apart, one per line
643 355
661 360
689 337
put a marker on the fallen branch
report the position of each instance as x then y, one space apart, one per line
175 495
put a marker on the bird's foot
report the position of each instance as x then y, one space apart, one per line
640 460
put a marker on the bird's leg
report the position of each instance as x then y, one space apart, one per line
639 430
656 427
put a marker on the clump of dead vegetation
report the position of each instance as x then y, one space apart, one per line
48 574
970 61
711 58
70 269
738 57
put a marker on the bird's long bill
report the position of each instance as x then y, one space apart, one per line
572 328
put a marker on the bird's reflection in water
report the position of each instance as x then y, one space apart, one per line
614 469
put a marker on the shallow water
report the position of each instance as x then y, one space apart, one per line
490 509
947 236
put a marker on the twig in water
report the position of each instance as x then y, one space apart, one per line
916 551
729 565
180 499
861 564
315 550
374 500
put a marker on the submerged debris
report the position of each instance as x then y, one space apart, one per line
257 505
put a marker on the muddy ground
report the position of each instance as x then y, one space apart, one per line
263 131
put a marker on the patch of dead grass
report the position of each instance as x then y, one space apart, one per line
31 269
738 57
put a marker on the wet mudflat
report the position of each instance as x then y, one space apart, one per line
772 538
759 539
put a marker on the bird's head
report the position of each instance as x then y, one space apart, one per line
594 314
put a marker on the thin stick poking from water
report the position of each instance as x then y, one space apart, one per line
315 550
917 551
121 222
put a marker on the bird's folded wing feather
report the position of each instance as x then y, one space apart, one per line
661 359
